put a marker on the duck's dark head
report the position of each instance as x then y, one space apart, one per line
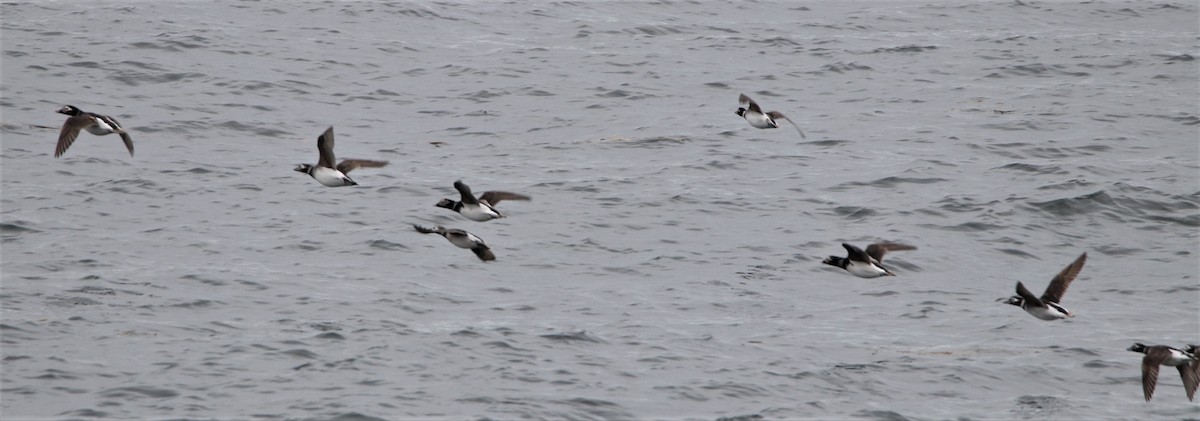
1137 347
1015 300
446 203
69 110
740 111
835 261
304 168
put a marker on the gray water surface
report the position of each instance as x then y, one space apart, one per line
668 266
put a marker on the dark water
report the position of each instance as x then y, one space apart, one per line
668 266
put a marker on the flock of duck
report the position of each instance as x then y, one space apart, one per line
858 262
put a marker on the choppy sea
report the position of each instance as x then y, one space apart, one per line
669 264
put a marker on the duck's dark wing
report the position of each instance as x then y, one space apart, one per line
70 131
1190 379
877 250
128 142
1028 296
465 192
350 164
494 197
325 147
778 115
748 103
1059 285
112 122
484 253
856 253
1195 365
1149 377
